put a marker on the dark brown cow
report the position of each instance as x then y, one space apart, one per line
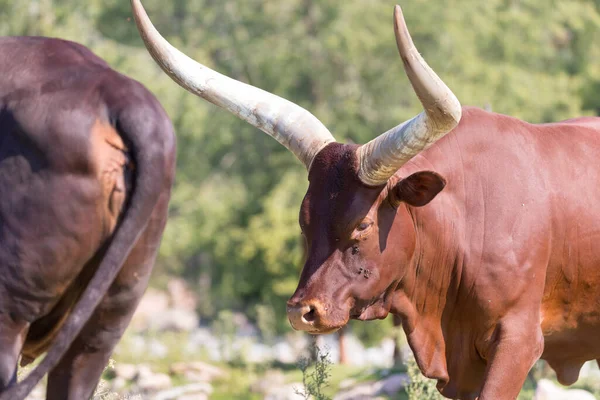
86 164
483 243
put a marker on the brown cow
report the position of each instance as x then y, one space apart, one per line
87 159
483 243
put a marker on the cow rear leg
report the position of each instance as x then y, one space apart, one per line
514 351
77 374
12 337
75 377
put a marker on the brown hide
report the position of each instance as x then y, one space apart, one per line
112 168
79 225
502 256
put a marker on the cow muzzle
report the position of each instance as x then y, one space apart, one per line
310 317
303 316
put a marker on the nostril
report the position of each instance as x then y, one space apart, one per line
311 315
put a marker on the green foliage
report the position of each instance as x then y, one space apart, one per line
136 349
420 388
371 333
265 320
224 327
315 374
233 218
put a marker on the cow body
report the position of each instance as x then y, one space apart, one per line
70 132
509 244
498 269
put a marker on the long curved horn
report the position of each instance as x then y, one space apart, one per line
382 156
291 125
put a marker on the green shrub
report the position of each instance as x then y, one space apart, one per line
420 387
316 372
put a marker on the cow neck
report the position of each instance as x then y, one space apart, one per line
423 294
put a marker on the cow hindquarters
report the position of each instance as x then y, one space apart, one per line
78 372
12 337
517 345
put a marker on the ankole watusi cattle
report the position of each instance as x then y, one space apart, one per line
86 164
478 229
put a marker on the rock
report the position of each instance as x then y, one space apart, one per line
125 371
393 384
347 383
548 390
197 371
355 351
387 387
136 345
159 311
284 353
366 390
381 355
157 349
298 341
118 384
286 392
143 371
196 396
175 320
196 391
202 339
259 353
155 382
149 381
152 302
239 349
180 296
243 326
272 379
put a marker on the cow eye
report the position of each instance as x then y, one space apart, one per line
363 226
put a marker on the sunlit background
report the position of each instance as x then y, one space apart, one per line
213 323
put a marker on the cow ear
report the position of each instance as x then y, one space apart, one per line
418 189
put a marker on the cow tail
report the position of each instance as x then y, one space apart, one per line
151 139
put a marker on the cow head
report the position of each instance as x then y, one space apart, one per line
355 202
358 238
